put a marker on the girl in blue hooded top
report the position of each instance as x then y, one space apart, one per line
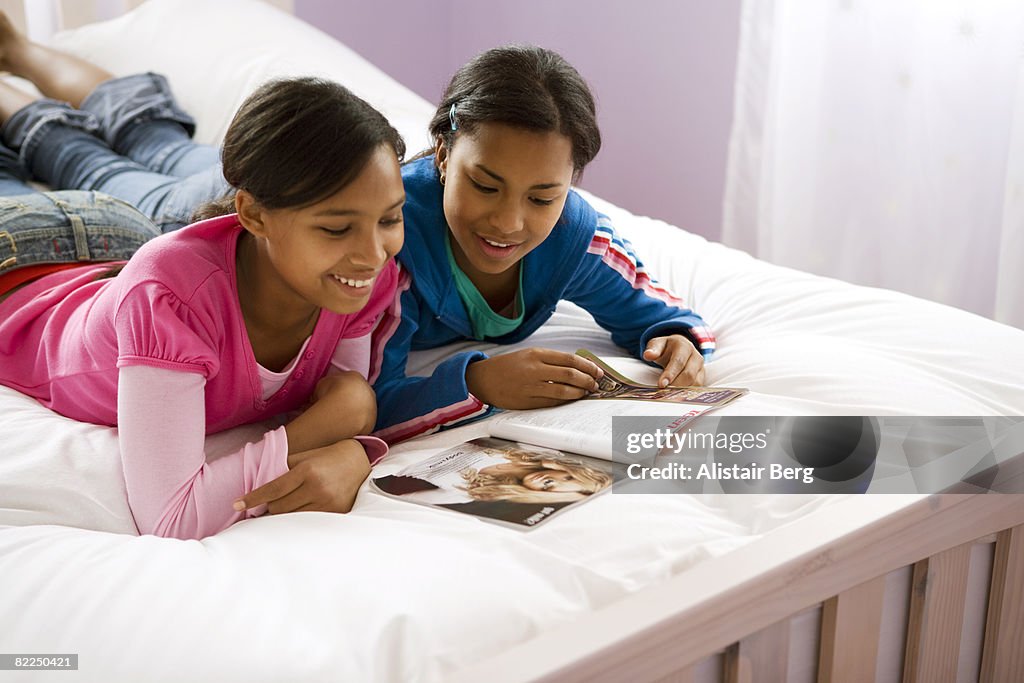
496 237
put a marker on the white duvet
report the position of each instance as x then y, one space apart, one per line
394 591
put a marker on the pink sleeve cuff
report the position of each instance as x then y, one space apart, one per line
375 448
270 464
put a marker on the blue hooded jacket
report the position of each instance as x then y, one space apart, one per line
583 260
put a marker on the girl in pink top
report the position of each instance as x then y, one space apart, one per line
241 318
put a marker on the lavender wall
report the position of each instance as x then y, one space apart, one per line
662 71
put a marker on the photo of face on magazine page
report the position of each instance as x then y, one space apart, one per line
501 481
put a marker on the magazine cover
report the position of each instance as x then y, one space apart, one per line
615 385
501 481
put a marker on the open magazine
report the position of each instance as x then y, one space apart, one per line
501 481
537 463
585 426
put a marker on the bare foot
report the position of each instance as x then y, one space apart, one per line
56 74
12 44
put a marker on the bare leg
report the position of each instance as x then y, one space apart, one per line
11 100
57 74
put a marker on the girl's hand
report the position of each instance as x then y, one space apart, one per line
532 378
324 479
684 366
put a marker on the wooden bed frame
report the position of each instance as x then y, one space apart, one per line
732 615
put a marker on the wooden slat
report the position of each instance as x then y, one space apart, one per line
850 624
937 616
1002 658
762 656
730 664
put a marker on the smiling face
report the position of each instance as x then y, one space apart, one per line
326 255
504 190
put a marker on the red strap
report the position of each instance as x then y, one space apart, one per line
19 276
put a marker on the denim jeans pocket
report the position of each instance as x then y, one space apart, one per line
69 226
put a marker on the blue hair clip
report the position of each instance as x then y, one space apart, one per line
451 116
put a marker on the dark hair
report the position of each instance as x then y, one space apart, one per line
295 141
525 86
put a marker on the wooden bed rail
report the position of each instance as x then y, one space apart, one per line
740 602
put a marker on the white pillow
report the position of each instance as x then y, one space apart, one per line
223 50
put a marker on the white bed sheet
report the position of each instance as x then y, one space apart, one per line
394 591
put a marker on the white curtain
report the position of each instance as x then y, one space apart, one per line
882 142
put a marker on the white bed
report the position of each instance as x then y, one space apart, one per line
652 587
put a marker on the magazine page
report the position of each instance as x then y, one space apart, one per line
615 385
585 426
501 481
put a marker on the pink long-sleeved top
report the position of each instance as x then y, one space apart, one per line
161 351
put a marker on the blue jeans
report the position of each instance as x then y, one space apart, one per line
129 140
68 226
61 227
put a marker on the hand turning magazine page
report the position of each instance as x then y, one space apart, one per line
539 462
585 426
615 385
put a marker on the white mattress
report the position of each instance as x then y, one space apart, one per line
394 591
